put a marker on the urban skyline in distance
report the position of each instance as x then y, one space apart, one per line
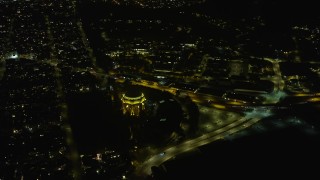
158 89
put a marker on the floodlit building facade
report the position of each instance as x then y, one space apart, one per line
133 105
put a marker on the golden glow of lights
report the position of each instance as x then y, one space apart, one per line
302 94
197 100
131 105
218 106
235 103
316 99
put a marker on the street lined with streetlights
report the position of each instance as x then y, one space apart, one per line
145 167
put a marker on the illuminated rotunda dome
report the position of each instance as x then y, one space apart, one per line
133 103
